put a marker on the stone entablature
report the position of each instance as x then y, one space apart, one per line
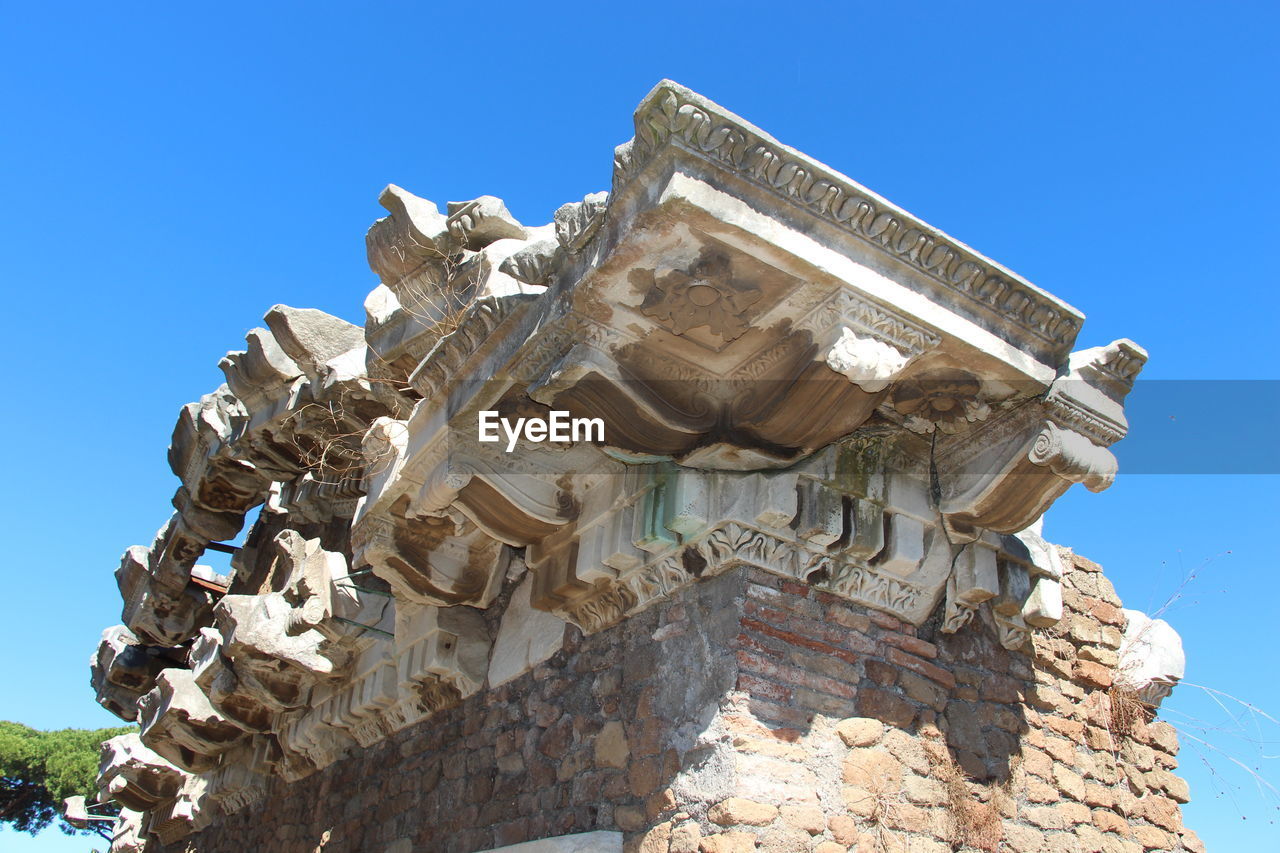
793 376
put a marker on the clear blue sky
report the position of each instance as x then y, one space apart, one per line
167 176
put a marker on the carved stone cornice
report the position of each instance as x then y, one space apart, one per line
135 776
481 325
178 722
671 116
792 374
123 670
414 234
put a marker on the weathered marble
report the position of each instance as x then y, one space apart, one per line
1152 661
790 375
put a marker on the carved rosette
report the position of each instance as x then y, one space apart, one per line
944 400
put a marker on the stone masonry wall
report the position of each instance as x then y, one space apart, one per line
748 712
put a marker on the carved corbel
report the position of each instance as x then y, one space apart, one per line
254 710
242 777
173 554
974 579
202 432
127 835
358 708
420 542
1010 574
1043 605
302 415
123 670
213 526
433 560
515 504
216 488
263 377
312 737
158 614
269 662
1017 470
279 643
229 487
190 811
442 655
134 776
1016 466
656 509
178 722
1013 631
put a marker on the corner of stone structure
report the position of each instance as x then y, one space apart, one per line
702 518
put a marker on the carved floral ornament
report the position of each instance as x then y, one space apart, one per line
765 355
945 399
704 295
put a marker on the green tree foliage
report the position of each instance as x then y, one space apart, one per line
40 769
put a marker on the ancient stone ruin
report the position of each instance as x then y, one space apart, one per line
704 517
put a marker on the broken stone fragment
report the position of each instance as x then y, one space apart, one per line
481 221
257 639
215 526
414 234
868 363
310 337
577 222
190 811
202 430
281 643
260 374
534 263
176 549
1151 657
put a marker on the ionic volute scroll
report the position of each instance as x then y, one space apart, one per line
1004 476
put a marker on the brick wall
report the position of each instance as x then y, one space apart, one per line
753 713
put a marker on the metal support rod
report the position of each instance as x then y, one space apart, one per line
366 627
223 547
380 592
